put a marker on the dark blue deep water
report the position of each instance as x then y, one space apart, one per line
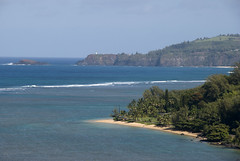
44 113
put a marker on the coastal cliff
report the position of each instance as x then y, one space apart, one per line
223 50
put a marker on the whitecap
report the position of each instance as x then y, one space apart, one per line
178 81
12 89
101 84
8 64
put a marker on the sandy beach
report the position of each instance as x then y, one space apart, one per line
153 127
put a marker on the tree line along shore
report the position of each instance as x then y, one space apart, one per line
212 110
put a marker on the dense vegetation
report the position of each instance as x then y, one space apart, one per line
223 50
212 109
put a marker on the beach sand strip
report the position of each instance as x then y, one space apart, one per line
153 127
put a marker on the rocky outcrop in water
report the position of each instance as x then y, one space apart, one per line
29 62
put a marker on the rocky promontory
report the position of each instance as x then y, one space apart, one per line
223 50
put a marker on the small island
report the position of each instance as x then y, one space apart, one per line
210 112
30 62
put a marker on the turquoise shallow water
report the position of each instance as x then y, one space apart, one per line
44 112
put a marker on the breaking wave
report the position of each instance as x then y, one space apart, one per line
8 64
101 84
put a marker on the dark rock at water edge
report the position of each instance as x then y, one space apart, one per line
30 62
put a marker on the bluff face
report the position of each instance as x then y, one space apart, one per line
223 50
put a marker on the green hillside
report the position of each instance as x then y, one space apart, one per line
223 50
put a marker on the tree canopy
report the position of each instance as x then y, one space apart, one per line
213 109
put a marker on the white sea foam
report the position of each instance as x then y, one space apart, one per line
15 64
29 86
81 85
178 81
101 84
8 64
12 89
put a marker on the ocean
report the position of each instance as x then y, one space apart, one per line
44 113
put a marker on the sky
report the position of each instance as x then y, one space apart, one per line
77 28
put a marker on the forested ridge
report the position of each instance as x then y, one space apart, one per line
222 50
212 109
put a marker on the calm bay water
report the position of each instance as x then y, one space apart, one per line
44 112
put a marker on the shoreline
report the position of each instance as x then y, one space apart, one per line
152 127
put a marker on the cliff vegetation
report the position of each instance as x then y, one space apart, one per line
223 50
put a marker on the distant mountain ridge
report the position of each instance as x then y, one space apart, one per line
222 50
